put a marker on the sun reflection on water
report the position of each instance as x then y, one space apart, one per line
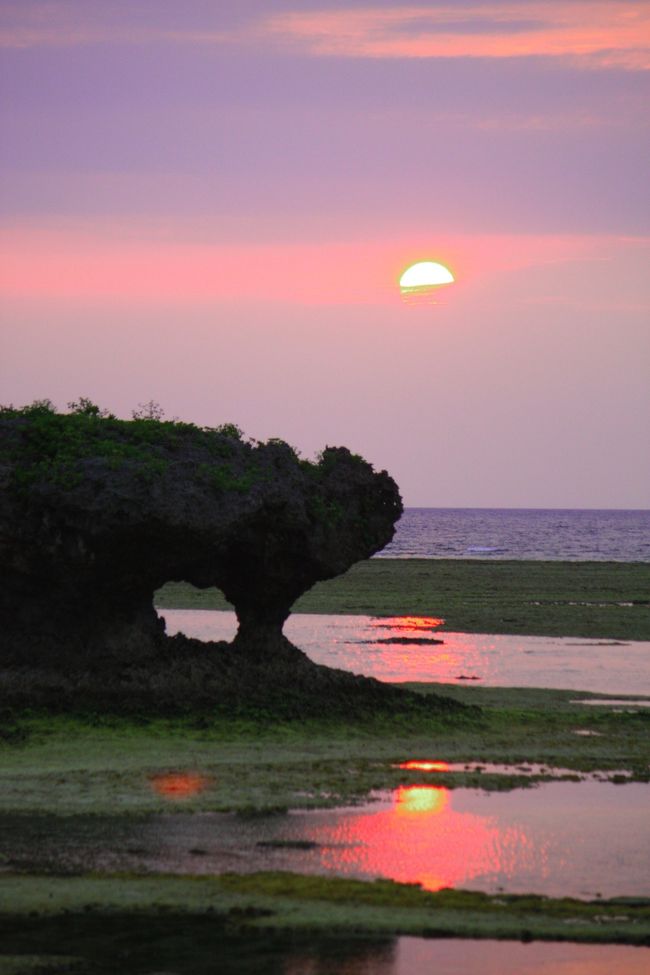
412 624
421 838
415 765
178 785
416 799
352 643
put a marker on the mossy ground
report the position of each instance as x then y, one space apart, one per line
184 922
77 764
474 596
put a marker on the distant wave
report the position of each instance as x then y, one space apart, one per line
485 548
515 533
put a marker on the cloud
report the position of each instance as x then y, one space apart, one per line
70 23
587 33
592 33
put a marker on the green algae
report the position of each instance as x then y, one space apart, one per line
44 964
101 764
288 902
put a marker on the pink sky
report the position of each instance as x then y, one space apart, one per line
601 33
212 208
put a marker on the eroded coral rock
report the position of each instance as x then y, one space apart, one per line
97 513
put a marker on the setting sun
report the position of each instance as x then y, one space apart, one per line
425 274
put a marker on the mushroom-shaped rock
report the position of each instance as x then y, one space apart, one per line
97 513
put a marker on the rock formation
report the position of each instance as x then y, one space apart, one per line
97 513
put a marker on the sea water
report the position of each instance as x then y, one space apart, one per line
520 533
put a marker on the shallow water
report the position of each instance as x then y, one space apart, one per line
353 643
180 949
560 839
449 956
625 705
446 956
527 770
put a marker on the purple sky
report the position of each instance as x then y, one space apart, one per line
210 205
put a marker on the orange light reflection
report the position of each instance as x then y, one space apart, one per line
417 766
409 623
178 785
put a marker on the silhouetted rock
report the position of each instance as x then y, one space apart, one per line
97 513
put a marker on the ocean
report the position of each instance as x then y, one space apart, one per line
521 533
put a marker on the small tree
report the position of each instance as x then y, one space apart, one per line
85 407
148 411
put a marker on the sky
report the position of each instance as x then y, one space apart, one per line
210 205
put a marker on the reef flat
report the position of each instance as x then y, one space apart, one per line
603 600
